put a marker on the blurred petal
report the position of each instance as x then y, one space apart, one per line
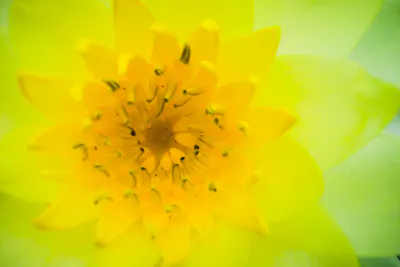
43 33
51 96
18 236
134 248
362 194
26 174
248 56
379 49
132 22
181 16
288 180
340 107
315 233
376 262
320 27
225 246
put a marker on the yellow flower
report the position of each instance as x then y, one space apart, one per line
181 133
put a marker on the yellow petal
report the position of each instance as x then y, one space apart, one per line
314 232
132 22
51 96
133 248
362 195
74 207
174 242
234 98
51 30
225 246
288 179
248 56
116 218
26 174
166 48
101 61
181 17
262 124
204 42
339 106
320 27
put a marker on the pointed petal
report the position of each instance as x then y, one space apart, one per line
234 98
132 22
263 124
225 246
313 231
340 107
74 207
51 30
248 56
26 174
329 28
288 179
174 242
100 61
115 219
181 16
204 42
166 48
133 248
51 96
362 194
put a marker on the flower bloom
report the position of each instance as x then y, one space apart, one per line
189 146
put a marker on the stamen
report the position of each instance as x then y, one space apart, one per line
185 57
132 174
212 187
102 169
84 149
153 93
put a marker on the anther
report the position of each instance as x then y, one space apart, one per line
158 72
133 133
114 86
185 57
225 153
196 147
182 159
142 149
212 187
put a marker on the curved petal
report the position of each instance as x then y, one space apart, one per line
182 17
340 107
362 194
18 235
288 180
26 174
379 50
13 105
52 97
44 33
316 234
133 248
321 27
